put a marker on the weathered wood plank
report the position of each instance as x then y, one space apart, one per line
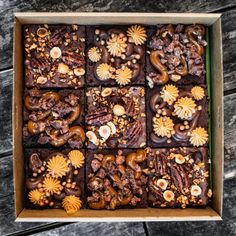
7 8
94 229
5 111
229 45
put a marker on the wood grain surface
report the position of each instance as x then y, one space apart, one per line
7 224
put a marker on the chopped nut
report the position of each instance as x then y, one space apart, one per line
104 131
41 80
118 110
168 195
161 183
55 52
175 78
63 68
195 190
79 71
106 92
92 137
42 32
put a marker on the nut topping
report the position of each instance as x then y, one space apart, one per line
169 195
118 110
55 52
42 32
161 183
104 131
195 190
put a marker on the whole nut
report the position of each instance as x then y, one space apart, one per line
104 131
55 52
168 195
106 92
63 68
179 158
41 80
112 127
79 71
161 183
118 110
92 137
195 190
42 32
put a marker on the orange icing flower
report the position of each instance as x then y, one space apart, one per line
36 197
198 93
185 107
137 34
104 71
116 45
123 76
162 126
169 93
51 185
57 166
94 55
71 204
76 158
198 137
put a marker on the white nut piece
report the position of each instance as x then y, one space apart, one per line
41 80
175 78
104 131
112 127
79 71
42 32
63 68
92 137
161 183
179 158
195 190
55 52
118 110
168 195
106 92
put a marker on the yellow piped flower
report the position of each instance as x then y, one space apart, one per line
77 158
185 107
35 196
116 45
198 93
51 185
198 137
104 71
57 166
169 93
71 204
162 126
137 34
123 76
94 55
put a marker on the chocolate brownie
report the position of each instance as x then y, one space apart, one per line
55 179
53 118
175 54
116 179
116 55
116 117
177 116
54 56
179 177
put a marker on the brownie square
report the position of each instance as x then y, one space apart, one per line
179 177
177 116
116 55
53 118
116 179
116 117
36 171
54 56
175 54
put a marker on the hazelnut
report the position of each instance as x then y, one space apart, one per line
118 110
42 32
179 159
63 68
161 183
41 80
104 131
195 190
175 78
92 137
106 92
168 195
112 127
79 71
55 52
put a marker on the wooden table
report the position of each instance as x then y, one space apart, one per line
7 224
